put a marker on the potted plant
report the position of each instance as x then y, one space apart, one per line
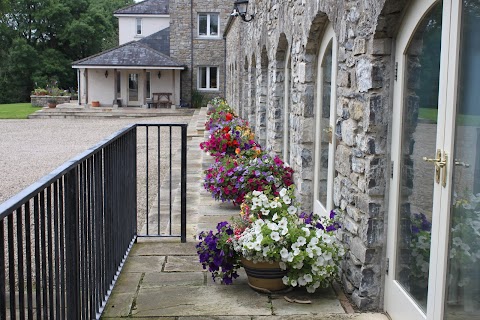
52 103
95 103
297 250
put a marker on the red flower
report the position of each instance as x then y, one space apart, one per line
228 116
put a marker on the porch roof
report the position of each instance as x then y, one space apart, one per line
145 7
134 54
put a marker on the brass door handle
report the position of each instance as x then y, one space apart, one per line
329 131
440 165
461 163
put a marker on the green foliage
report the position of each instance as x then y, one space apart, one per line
16 110
198 99
41 38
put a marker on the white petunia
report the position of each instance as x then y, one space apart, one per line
263 197
256 193
283 223
301 281
274 204
284 253
275 236
301 241
292 210
313 241
275 217
308 278
265 212
272 226
282 265
327 255
287 200
283 192
306 230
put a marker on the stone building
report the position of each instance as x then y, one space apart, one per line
357 97
167 48
196 41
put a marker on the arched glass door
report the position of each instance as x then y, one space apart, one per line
324 123
433 245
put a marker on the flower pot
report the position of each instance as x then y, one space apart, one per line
51 104
264 276
95 104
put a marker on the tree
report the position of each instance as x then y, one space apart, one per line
41 38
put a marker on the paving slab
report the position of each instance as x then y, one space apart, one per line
128 282
356 316
119 305
162 279
323 302
201 301
140 264
163 248
183 264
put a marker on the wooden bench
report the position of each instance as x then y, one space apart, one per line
161 99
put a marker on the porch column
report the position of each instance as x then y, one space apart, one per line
83 85
114 103
174 91
144 86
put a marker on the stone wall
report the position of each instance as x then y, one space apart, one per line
186 47
42 101
285 31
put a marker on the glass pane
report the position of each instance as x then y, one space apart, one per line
203 77
202 24
463 277
213 78
214 24
133 87
325 124
419 130
139 26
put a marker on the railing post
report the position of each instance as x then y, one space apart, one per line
72 249
183 187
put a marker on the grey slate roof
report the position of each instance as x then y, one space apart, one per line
159 41
146 7
134 54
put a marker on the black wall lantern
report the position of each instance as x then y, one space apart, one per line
240 9
159 74
106 73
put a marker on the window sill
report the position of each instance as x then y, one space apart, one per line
208 90
209 38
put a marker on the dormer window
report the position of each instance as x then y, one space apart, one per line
138 25
208 24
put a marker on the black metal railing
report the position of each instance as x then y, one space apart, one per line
163 154
67 236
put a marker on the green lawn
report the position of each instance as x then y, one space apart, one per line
16 110
462 119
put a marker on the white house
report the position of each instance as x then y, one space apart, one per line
130 74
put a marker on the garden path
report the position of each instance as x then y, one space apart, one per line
162 279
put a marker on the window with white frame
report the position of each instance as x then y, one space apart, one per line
138 26
208 24
208 78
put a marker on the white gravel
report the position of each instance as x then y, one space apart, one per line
30 149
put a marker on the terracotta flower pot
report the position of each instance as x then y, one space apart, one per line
95 104
264 276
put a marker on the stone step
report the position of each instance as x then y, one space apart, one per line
82 112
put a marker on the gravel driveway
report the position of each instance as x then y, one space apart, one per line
30 149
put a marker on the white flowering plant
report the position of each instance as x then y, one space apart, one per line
271 229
